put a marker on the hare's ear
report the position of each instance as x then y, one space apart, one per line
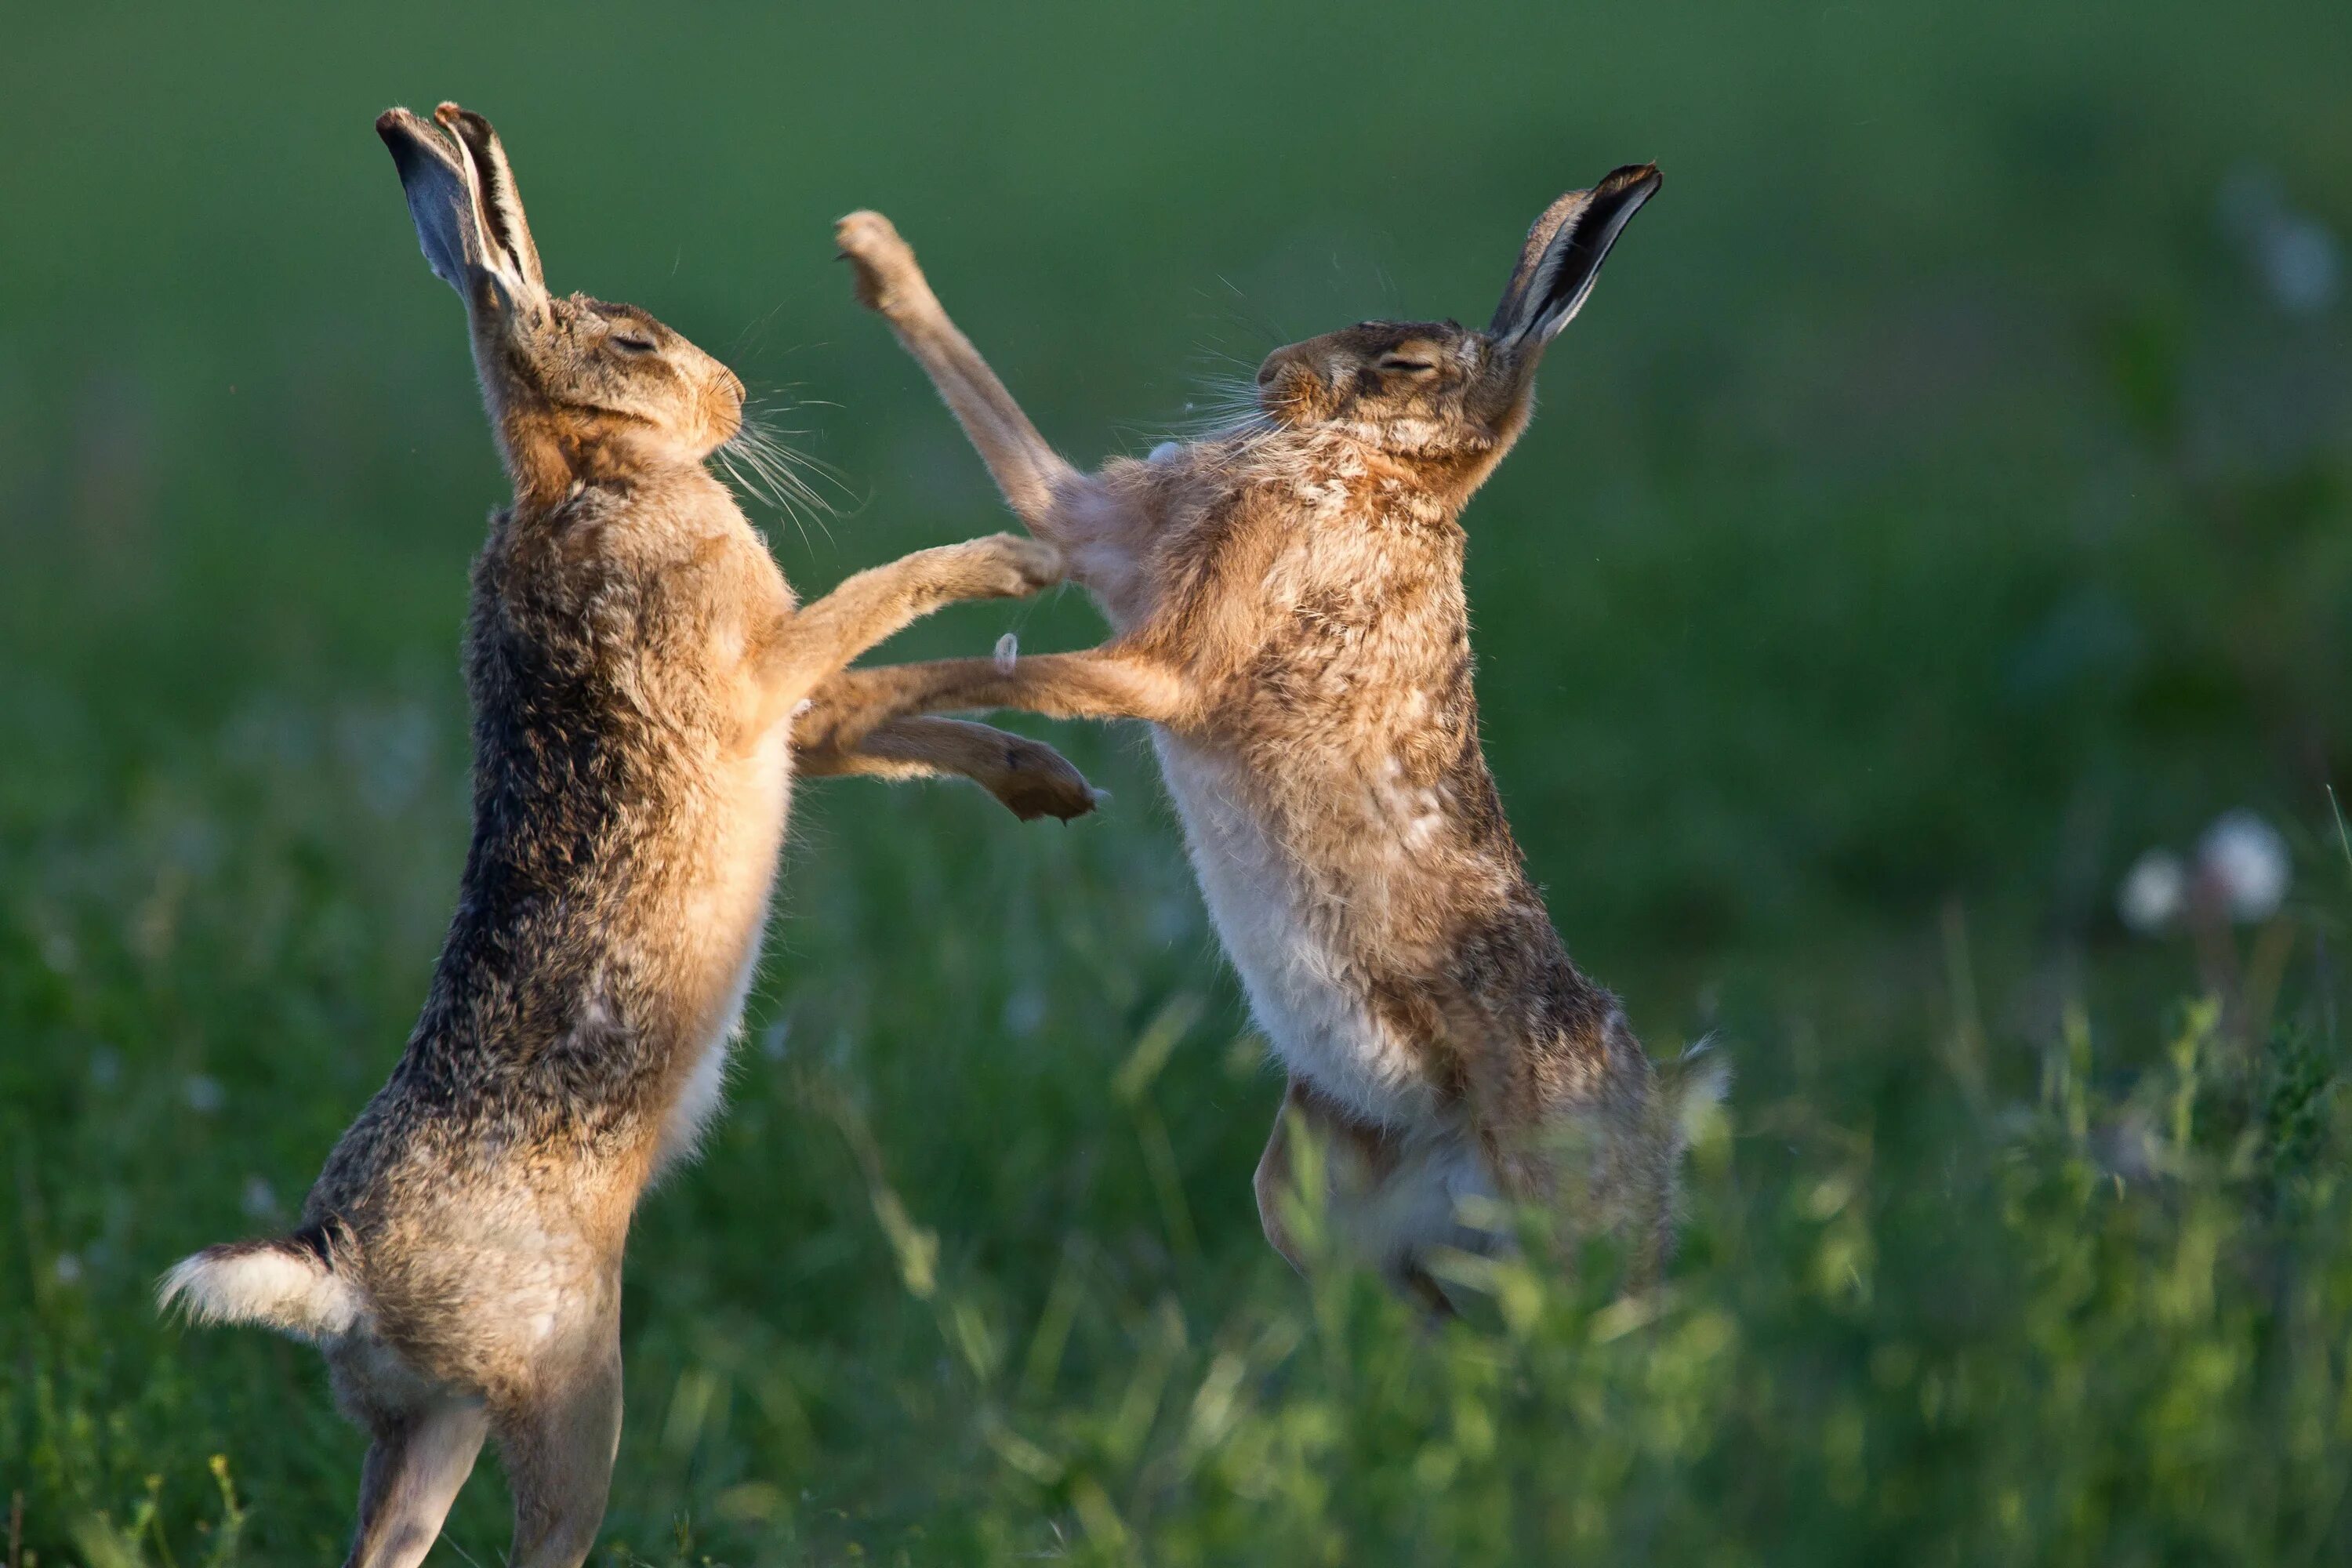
1564 253
492 178
439 201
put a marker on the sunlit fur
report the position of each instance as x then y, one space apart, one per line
1288 613
574 399
1424 388
635 660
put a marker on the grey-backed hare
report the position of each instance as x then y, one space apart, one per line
635 660
1288 613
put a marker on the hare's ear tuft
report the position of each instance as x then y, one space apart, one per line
494 185
1564 253
439 197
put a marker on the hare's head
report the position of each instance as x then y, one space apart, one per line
579 389
1437 387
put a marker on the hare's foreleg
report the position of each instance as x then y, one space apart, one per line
1029 777
417 1460
1035 478
1097 684
558 1442
804 649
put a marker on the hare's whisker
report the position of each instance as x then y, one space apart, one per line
1225 403
763 465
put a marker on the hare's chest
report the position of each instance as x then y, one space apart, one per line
1356 612
719 926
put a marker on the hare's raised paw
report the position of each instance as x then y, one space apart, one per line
1036 781
887 275
1014 565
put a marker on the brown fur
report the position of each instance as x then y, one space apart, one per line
1288 613
635 660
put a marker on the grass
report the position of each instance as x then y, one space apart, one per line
1932 511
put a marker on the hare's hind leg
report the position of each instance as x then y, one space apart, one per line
418 1458
557 1439
1276 1186
1035 478
1384 1203
1101 683
1319 1157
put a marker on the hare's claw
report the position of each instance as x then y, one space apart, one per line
882 261
1038 781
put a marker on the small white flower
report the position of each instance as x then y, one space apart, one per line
1024 1010
260 1203
204 1094
106 1066
2294 254
1008 653
2299 264
2153 892
776 1038
2248 864
69 1268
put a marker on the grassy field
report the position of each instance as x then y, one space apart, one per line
1946 497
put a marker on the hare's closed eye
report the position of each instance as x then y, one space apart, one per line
1406 364
633 343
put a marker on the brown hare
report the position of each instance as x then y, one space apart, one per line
635 659
1288 611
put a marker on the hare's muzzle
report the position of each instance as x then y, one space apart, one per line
723 403
1290 386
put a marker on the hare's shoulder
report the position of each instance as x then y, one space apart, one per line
663 532
655 552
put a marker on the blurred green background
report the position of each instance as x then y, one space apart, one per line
1943 500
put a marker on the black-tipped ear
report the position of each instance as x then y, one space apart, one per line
1564 253
438 198
494 182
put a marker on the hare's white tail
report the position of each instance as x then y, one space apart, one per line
288 1283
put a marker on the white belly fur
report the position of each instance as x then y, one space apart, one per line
1312 1009
748 864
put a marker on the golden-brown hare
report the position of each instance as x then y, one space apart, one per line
1287 604
635 659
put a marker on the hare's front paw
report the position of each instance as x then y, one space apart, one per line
1016 565
883 262
1037 781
